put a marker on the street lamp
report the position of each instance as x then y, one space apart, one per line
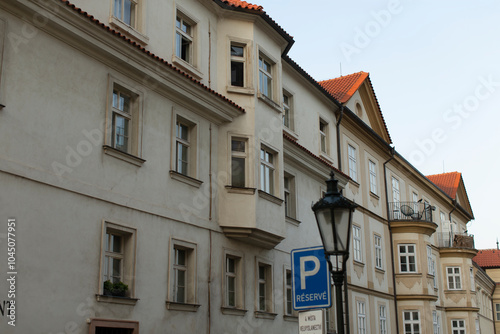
334 217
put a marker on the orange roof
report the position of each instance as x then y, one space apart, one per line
344 87
447 182
488 258
242 4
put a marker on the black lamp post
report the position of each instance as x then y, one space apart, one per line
334 217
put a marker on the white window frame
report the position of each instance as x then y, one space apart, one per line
266 69
289 195
238 154
372 167
324 138
458 326
133 152
267 170
356 246
478 327
183 35
430 269
288 296
472 281
134 8
382 319
127 255
435 324
497 311
238 59
353 162
435 278
288 110
264 287
190 144
407 255
188 303
409 319
238 277
361 312
377 241
454 278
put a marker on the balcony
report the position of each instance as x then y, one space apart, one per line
452 244
411 217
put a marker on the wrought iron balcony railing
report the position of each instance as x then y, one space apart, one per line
410 211
455 240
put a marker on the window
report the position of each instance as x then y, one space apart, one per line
118 261
396 198
497 311
266 171
353 168
323 136
411 322
472 282
407 262
378 251
416 204
264 288
185 147
453 274
478 327
289 188
382 319
458 326
287 110
238 64
430 266
435 279
361 317
238 162
288 294
125 11
373 176
356 235
183 38
233 281
183 275
105 326
435 324
2 40
265 77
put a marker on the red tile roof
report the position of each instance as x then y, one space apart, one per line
242 4
488 258
344 87
149 53
447 182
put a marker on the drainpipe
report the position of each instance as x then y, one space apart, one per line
392 243
338 136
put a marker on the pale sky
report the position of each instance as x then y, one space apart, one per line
435 68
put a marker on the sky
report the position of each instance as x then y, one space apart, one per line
435 69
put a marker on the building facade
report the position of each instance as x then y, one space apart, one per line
174 148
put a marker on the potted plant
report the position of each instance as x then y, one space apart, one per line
118 289
108 288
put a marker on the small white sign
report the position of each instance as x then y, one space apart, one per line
312 322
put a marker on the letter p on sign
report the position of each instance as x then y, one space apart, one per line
304 273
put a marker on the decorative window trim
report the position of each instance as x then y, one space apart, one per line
128 266
361 316
191 294
186 179
239 155
108 323
133 154
290 195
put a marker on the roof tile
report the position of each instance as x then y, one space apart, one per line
242 4
488 258
447 182
344 87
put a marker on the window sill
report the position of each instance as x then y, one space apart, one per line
240 90
380 270
116 300
182 306
326 157
134 160
290 132
270 102
270 198
185 179
292 318
358 263
265 315
292 221
233 311
409 275
461 292
240 190
354 183
375 196
128 30
185 66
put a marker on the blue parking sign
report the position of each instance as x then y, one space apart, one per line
310 278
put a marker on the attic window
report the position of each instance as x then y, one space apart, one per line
359 110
